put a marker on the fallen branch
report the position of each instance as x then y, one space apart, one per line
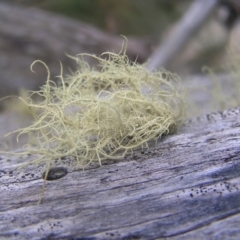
192 21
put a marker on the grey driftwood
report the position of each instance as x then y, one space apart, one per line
187 187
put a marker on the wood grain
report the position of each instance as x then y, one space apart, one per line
187 187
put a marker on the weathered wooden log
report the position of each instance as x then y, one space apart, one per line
27 34
186 187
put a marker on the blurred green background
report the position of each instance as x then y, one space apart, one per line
152 20
135 17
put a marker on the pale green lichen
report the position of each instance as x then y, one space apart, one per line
95 115
226 94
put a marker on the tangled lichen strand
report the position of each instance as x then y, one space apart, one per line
97 115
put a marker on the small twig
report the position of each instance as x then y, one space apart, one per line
192 21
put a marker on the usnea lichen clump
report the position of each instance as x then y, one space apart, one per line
94 115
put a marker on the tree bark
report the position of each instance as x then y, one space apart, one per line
27 34
186 187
